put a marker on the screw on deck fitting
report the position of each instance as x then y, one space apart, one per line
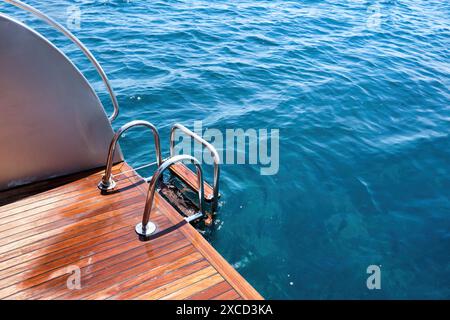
149 229
107 186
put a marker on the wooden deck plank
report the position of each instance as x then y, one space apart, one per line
104 286
57 204
57 243
28 270
53 195
53 284
152 278
229 295
211 292
19 240
172 285
68 215
194 288
49 188
70 223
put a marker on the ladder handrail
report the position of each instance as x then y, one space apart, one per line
146 227
107 183
80 45
210 147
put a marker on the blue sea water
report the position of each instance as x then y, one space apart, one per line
360 93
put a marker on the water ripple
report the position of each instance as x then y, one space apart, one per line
363 111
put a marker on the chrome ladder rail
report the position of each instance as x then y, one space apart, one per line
107 182
80 45
147 227
214 154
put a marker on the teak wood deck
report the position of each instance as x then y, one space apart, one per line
54 230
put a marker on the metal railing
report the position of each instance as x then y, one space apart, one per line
107 182
80 45
214 154
147 227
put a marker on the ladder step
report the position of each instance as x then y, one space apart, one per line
190 178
